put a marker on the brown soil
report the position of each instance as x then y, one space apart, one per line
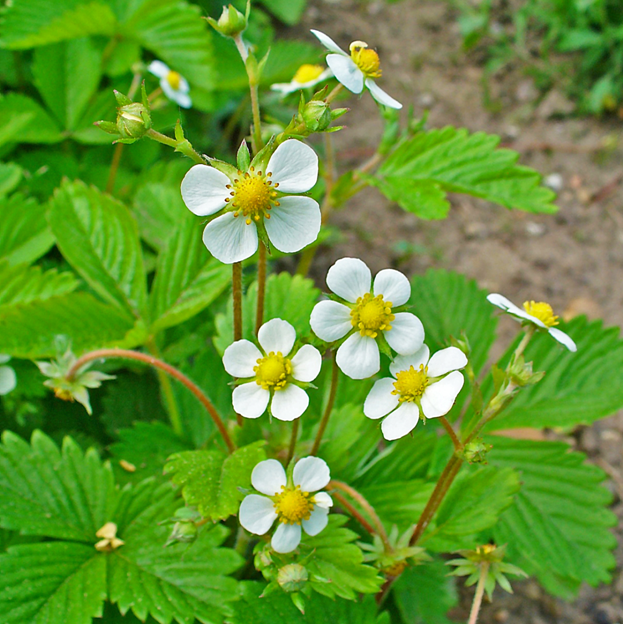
572 259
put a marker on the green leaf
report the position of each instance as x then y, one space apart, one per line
24 231
424 594
99 238
338 560
288 11
579 388
67 74
52 582
187 279
22 120
64 493
10 177
558 526
210 480
420 172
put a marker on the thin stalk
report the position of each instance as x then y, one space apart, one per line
354 512
478 597
110 184
334 92
167 390
154 94
355 495
328 408
187 150
449 429
237 310
159 364
262 264
241 47
293 441
255 112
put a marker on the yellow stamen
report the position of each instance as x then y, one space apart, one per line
308 73
173 78
273 371
372 315
411 384
63 394
292 505
253 196
542 311
366 59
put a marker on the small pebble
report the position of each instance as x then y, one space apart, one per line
535 229
554 181
426 100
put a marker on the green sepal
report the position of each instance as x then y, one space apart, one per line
261 159
243 157
122 100
107 126
230 170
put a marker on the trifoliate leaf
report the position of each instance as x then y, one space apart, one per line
57 493
450 160
22 120
210 480
558 526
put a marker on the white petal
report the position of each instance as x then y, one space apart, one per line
268 477
330 320
250 400
306 365
381 96
380 400
286 538
403 362
316 522
445 361
184 85
311 474
289 402
440 396
401 421
229 238
407 334
257 514
277 335
563 338
203 190
8 379
295 223
346 72
514 310
158 68
294 166
4 358
240 358
349 278
358 357
393 286
182 99
328 42
323 500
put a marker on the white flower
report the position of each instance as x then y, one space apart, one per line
420 386
288 501
537 313
366 316
253 199
275 372
357 70
174 85
8 379
306 76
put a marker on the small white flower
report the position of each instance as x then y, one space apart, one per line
420 386
366 316
306 76
537 313
174 85
272 375
255 198
288 501
8 379
357 70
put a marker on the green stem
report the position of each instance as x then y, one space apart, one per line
110 184
237 310
334 92
354 512
328 408
183 147
262 263
293 441
478 597
255 111
158 364
449 429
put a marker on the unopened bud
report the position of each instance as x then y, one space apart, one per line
475 451
231 23
316 115
292 577
184 532
133 120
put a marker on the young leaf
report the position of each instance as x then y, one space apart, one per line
210 480
10 177
558 526
99 238
22 120
420 172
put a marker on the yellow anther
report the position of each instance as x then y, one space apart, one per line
253 196
292 505
173 78
372 315
366 59
541 311
109 540
308 73
411 384
273 371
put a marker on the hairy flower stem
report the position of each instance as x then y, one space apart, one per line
449 429
158 364
478 597
354 512
328 408
334 92
293 441
355 495
262 265
237 310
255 112
184 147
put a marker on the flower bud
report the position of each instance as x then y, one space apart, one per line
133 120
292 577
475 451
184 532
316 115
231 23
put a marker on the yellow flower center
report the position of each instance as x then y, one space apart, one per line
272 371
64 394
173 78
253 195
308 73
411 384
371 315
292 505
542 311
366 59
486 549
